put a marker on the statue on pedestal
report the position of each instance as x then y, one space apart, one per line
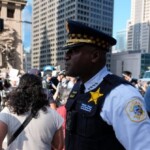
7 48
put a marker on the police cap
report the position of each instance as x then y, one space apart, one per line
80 34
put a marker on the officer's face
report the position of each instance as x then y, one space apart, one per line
78 61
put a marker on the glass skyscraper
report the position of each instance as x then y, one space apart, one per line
49 33
139 26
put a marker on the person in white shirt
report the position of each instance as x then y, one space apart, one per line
44 131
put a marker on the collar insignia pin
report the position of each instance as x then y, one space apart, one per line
73 94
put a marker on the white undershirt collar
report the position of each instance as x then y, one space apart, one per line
96 79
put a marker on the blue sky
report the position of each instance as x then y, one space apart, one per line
121 15
27 16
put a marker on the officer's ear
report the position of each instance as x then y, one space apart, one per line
95 56
98 56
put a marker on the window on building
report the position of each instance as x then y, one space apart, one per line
10 13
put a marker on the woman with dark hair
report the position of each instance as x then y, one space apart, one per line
44 131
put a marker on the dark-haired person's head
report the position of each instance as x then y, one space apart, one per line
28 96
7 83
127 75
86 50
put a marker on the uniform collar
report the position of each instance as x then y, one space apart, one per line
96 79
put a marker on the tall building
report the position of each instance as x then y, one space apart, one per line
11 13
138 37
49 33
27 61
121 41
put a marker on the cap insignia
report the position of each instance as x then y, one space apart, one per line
67 27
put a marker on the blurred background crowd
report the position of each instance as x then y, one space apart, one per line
58 86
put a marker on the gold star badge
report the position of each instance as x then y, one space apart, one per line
95 95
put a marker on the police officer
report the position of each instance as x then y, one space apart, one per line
104 112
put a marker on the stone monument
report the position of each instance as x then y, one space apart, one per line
11 47
8 48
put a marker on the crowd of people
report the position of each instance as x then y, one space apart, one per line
24 93
84 107
142 86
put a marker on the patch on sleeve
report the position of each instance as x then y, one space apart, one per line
136 111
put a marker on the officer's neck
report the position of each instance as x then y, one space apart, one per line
87 76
